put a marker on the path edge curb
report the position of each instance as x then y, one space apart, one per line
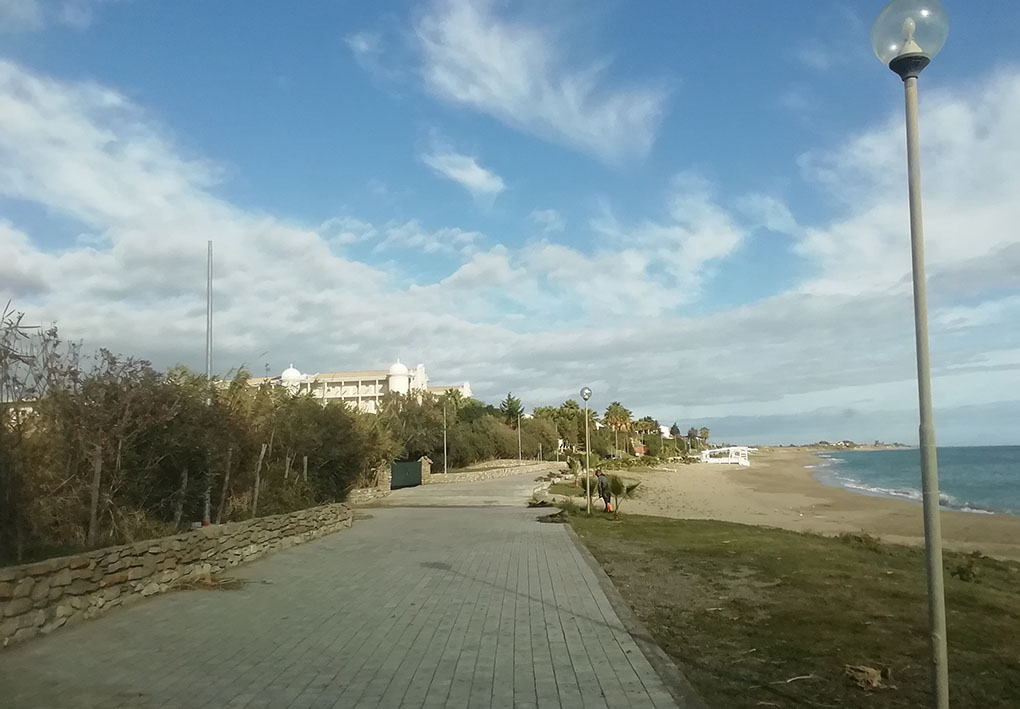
672 677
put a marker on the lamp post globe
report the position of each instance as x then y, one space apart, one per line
906 35
586 393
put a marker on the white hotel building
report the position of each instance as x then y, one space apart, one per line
361 389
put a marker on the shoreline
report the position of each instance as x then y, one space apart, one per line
779 491
829 475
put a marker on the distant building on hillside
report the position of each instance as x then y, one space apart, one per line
363 389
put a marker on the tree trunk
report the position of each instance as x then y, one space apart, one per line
226 486
304 468
258 481
179 509
286 466
97 477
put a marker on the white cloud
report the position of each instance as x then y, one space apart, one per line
369 51
411 235
769 212
517 73
548 220
610 311
406 236
364 44
344 231
799 101
816 55
464 170
20 15
969 153
30 15
836 40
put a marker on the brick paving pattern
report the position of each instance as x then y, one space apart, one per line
413 606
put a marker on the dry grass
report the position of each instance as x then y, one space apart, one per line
766 617
211 582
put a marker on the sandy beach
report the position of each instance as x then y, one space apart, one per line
779 491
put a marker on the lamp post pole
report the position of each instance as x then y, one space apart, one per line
444 439
926 430
906 35
207 495
586 394
520 452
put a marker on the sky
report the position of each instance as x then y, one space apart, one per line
697 209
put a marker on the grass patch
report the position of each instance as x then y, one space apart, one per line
766 617
567 490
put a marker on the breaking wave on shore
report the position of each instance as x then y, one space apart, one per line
868 480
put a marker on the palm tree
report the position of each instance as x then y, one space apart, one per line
617 418
703 434
453 399
620 490
645 425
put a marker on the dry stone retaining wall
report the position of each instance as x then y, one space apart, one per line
41 597
361 495
492 473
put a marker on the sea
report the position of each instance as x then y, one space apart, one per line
982 480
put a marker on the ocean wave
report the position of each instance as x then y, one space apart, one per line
946 500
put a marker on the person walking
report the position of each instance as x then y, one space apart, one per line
604 489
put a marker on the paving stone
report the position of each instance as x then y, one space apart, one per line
469 604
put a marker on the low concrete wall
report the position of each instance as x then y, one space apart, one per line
492 473
41 597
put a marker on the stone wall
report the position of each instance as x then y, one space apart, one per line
537 468
361 495
41 597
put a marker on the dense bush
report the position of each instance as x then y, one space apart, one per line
107 450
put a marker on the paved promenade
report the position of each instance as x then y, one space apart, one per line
417 605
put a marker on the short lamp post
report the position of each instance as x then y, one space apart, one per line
906 36
586 394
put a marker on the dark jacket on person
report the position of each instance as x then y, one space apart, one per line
603 485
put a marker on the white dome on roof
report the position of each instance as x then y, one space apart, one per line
291 375
398 369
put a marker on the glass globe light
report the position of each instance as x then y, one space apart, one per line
586 393
909 27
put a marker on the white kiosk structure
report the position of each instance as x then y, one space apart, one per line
732 455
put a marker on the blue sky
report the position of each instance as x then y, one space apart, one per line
695 208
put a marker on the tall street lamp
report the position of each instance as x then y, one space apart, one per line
207 501
906 35
586 394
520 451
445 470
